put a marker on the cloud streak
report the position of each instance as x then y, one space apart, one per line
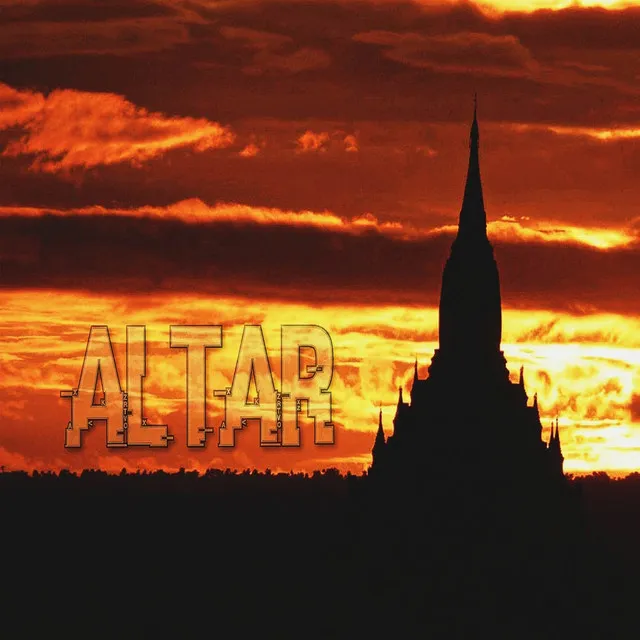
500 55
194 211
303 255
70 129
272 52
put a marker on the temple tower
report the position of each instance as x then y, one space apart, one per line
470 316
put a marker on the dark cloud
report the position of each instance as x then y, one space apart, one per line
596 28
462 52
271 52
123 254
51 29
174 56
78 11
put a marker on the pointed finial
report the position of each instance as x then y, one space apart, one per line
399 395
415 369
522 376
380 439
535 400
473 218
475 136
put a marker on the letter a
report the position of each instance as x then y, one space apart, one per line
252 361
99 364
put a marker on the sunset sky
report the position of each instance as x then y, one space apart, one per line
235 162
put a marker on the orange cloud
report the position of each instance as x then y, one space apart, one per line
196 211
528 6
350 143
69 129
250 150
510 229
602 134
320 142
310 141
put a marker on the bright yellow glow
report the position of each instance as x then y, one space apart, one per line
510 229
582 367
605 135
527 6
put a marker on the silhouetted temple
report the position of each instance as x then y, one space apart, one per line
465 502
467 416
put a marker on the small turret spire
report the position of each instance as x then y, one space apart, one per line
554 447
400 401
380 434
379 443
415 370
521 376
558 440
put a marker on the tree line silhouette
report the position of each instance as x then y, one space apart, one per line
157 554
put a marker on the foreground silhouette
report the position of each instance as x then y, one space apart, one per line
164 555
467 413
465 488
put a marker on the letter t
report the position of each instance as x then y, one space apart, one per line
196 339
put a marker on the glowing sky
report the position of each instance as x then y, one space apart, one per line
171 162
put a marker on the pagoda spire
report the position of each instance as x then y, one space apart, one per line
473 219
470 312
